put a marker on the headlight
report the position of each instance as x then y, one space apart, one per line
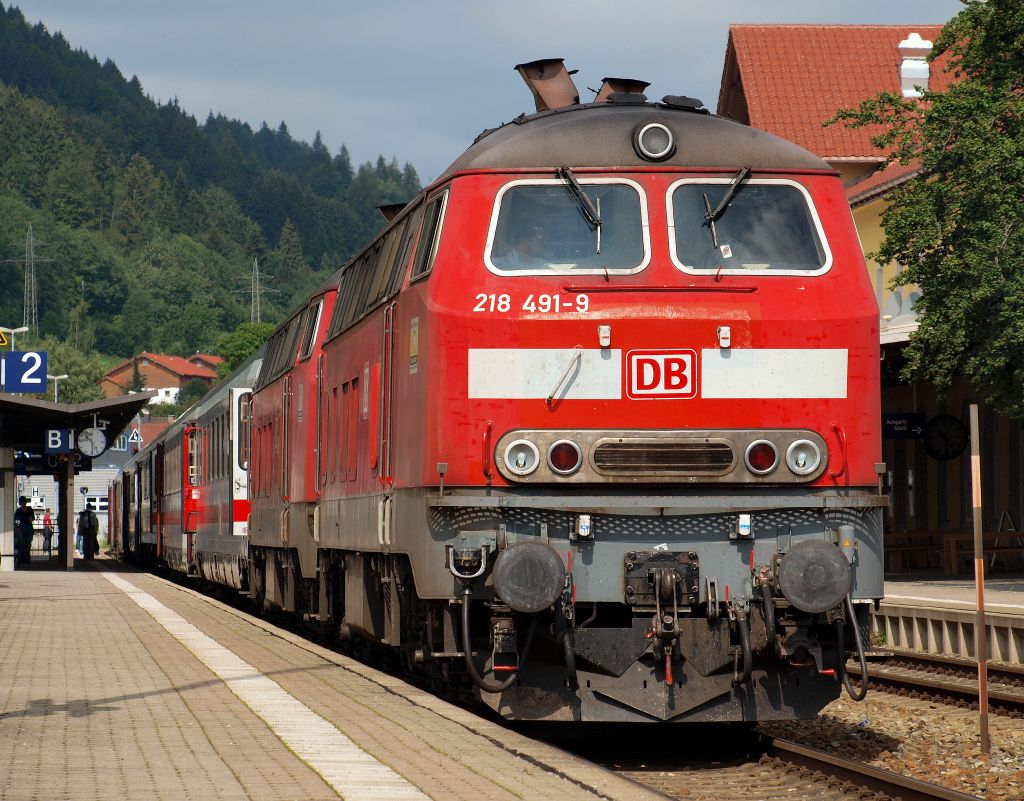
654 142
803 457
522 457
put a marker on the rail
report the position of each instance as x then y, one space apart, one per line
882 782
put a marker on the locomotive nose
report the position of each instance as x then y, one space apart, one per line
815 576
529 576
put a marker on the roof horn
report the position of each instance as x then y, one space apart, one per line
550 83
626 86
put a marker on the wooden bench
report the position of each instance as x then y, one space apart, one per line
956 544
912 550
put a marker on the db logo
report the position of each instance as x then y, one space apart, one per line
661 374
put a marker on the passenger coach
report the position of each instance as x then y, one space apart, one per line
183 500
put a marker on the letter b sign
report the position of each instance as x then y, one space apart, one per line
58 440
661 374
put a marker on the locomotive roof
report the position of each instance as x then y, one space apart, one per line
601 135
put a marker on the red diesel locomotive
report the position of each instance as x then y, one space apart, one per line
591 428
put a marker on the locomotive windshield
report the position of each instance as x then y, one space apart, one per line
766 226
541 227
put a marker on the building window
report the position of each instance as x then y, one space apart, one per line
99 503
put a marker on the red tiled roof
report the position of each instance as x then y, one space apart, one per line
152 429
794 77
180 365
879 182
176 364
209 358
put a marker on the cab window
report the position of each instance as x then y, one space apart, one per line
426 248
768 226
312 323
541 227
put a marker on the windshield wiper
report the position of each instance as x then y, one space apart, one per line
734 187
590 213
709 220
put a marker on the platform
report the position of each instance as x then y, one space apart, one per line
937 614
117 684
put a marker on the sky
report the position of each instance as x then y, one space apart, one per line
419 80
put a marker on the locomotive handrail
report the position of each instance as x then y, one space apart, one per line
488 429
841 436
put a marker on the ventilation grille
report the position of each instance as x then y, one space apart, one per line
661 458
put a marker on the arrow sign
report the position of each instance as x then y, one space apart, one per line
903 425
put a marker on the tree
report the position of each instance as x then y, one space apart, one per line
140 204
958 226
240 344
81 334
83 369
136 384
289 247
72 191
192 391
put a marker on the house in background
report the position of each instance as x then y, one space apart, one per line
206 360
788 80
167 374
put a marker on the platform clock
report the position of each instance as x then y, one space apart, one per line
92 441
945 437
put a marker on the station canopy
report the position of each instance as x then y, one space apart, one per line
25 421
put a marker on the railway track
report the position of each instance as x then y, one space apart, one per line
854 778
723 763
948 680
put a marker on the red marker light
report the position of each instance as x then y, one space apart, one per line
762 457
564 457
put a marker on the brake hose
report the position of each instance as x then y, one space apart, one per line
856 696
478 680
569 647
748 657
769 618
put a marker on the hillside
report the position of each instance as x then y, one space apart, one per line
146 222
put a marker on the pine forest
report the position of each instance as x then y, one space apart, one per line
142 225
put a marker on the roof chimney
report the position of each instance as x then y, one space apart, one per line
550 83
914 67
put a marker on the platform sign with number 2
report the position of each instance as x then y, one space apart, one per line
23 371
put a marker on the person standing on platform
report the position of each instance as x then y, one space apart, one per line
78 534
24 517
88 529
48 533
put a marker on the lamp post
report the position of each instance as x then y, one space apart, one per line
55 379
13 331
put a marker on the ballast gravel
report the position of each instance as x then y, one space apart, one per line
922 739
